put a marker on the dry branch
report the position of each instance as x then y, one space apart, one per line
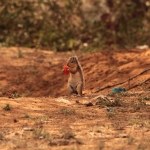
128 80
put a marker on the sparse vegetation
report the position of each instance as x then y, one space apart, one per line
41 120
66 111
117 102
147 98
20 54
138 106
116 24
134 122
121 120
27 94
7 107
111 115
1 136
41 134
67 134
124 94
101 145
103 102
140 83
33 71
26 116
113 94
16 95
131 140
141 147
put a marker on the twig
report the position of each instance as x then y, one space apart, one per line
141 83
129 82
109 86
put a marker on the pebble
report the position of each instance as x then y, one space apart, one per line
122 135
28 129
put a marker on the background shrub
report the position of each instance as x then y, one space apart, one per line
74 24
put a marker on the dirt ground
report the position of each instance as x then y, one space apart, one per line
37 114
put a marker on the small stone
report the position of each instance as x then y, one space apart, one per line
88 104
41 137
59 142
77 101
28 129
15 120
122 135
110 109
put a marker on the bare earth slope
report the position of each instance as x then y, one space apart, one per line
33 87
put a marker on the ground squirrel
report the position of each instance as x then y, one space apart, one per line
76 79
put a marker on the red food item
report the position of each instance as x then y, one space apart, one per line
66 70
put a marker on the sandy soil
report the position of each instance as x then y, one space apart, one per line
37 114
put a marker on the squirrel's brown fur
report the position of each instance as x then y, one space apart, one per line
76 78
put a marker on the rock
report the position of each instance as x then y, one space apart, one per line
62 142
28 129
123 135
142 47
60 99
88 104
59 142
110 109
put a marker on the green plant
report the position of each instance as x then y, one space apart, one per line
134 122
140 83
146 98
20 54
102 102
141 147
139 105
117 102
131 140
101 145
125 94
1 136
67 134
119 94
7 107
33 71
41 134
125 25
110 115
26 116
66 111
113 94
41 120
27 94
16 95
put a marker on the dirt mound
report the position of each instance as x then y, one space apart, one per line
39 73
35 114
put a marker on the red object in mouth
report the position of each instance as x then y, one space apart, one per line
66 70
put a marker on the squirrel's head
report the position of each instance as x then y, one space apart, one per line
72 62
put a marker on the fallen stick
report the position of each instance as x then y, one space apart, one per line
141 83
128 80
